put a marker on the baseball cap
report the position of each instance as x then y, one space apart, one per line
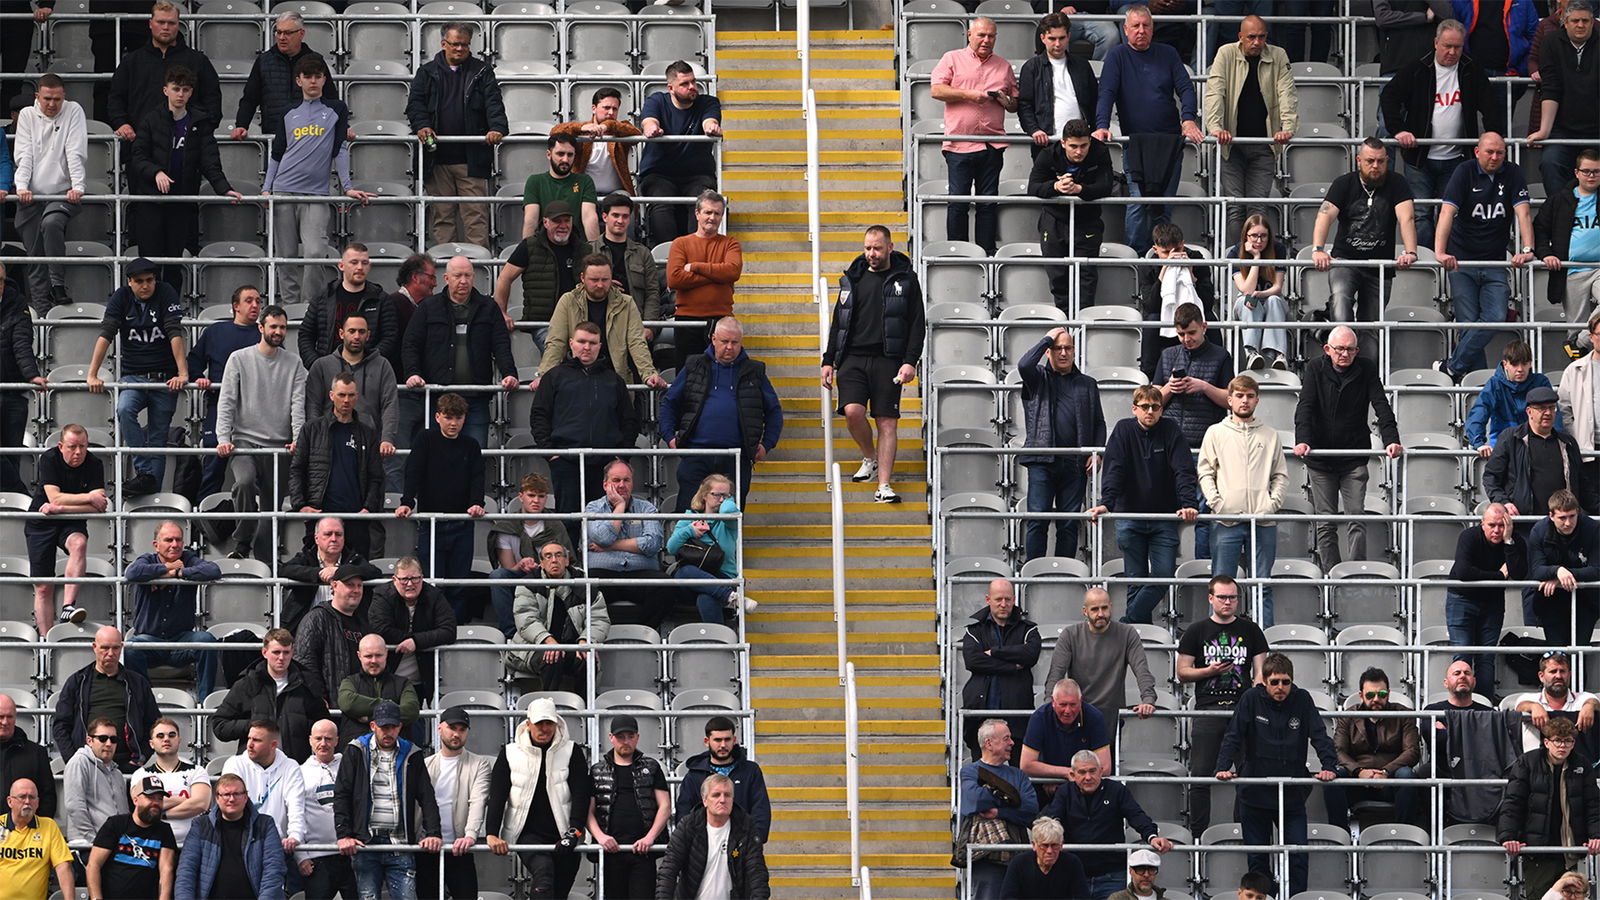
151 784
555 209
386 714
456 715
139 266
1541 395
1138 859
624 725
347 572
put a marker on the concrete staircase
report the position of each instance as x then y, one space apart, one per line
797 696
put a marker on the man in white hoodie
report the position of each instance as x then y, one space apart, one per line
1242 472
273 780
52 145
325 872
542 752
93 787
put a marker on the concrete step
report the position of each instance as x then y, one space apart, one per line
817 883
829 218
867 513
864 662
877 643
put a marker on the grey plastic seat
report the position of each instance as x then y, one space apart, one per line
320 32
671 39
1366 592
965 598
1021 283
595 33
377 89
1106 343
712 665
68 406
65 660
689 731
976 535
1220 868
1474 871
964 397
519 38
235 598
437 14
1306 646
954 282
1026 324
968 471
1318 162
623 668
931 39
378 31
531 105
486 734
396 160
952 343
473 670
1395 871
71 333
1379 648
1060 600
21 664
229 39
1434 536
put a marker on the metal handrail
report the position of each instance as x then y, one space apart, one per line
836 520
852 768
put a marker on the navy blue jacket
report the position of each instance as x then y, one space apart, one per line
1148 470
1267 738
263 855
1098 818
1579 552
1058 410
164 608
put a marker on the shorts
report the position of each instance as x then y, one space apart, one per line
861 379
44 539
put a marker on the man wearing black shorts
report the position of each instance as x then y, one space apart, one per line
71 480
874 342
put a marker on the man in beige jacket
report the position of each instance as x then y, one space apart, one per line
1242 472
1250 93
461 787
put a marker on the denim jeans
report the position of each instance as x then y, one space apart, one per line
477 425
974 173
1339 795
1149 550
1103 886
1055 486
1265 309
710 598
447 553
503 597
13 425
204 661
1103 35
1256 825
1479 295
1473 624
694 469
1556 161
1228 543
1140 218
375 871
161 404
1427 180
987 879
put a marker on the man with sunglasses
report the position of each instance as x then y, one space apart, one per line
187 786
1375 748
93 787
1556 696
1551 800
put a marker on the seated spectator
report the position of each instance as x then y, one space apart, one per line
164 605
1143 867
1259 292
71 480
1059 729
597 299
1550 800
702 268
1166 289
106 689
1562 558
554 611
709 549
605 162
1503 400
1250 93
1060 410
1568 886
1376 748
444 474
1045 872
1095 810
999 649
514 546
1102 34
257 854
93 788
363 691
625 548
1097 653
314 568
1079 166
414 617
1579 242
146 851
1555 696
546 262
993 788
1041 111
185 787
1484 552
277 688
677 168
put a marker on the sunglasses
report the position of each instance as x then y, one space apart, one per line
102 738
1280 682
1376 695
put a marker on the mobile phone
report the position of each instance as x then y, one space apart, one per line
1180 373
996 97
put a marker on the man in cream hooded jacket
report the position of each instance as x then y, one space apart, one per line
1242 472
542 751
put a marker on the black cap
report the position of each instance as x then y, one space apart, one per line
152 785
386 713
347 572
140 266
1541 395
455 715
624 725
555 209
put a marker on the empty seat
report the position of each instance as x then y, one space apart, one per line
1021 283
384 221
1433 534
713 665
952 343
378 30
1366 592
20 664
1317 162
594 32
989 534
931 38
236 598
227 264
72 331
1221 868
672 38
631 651
479 670
375 151
531 105
964 397
956 282
1474 871
91 281
1060 599
1393 871
232 38
1106 344
968 471
522 31
1159 801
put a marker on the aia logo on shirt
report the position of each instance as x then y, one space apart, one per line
1582 222
1451 99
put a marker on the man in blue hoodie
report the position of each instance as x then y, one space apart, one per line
1503 401
384 796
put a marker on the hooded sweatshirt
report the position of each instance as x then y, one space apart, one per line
50 152
1241 468
1501 404
94 792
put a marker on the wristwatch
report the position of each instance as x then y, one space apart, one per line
1320 248
1526 250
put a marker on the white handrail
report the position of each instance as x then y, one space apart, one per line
866 883
836 504
825 393
852 769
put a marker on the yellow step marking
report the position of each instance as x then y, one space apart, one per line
727 73
852 219
736 156
830 726
899 813
825 113
854 637
866 769
809 552
801 748
771 681
867 793
755 574
864 615
816 54
727 37
798 133
929 703
862 660
750 96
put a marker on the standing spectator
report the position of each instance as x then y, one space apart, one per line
581 403
1503 400
324 872
1533 460
414 617
1561 557
1250 93
71 481
416 281
310 139
1367 204
553 611
1550 799
363 691
715 854
1405 28
106 689
148 319
136 86
337 465
1441 96
385 797
325 644
171 153
1149 469
625 548
724 756
276 689
628 812
1054 87
546 263
721 400
93 788
1478 192
702 268
271 87
252 415
1555 696
999 648
1193 378
185 787
542 766
977 88
373 377
1165 290
874 343
1579 401
27 871
1142 79
23 759
514 547
1271 726
677 168
314 568
1079 166
1259 292
16 47
597 298
1242 472
1551 22
1375 748
1579 289
993 787
275 786
1222 657
444 474
1499 41
1095 810
457 337
208 362
1097 653
633 267
351 294
1337 391
1485 552
605 162
52 146
1143 867
455 94
698 544
17 363
461 790
1059 729
146 852
1566 85
165 605
560 182
1060 410
234 841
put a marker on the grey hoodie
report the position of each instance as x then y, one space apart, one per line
94 792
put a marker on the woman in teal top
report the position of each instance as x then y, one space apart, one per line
708 549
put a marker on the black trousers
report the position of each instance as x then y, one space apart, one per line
572 490
331 875
552 873
669 221
166 229
1053 242
629 875
460 877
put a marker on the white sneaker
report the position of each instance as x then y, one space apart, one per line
867 472
1253 359
736 601
886 494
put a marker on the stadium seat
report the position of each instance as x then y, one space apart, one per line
986 535
1162 802
1393 871
954 282
587 74
1116 388
1414 347
964 397
689 731
67 407
89 281
1162 662
383 221
1380 643
1423 410
376 90
960 472
473 671
225 265
1473 871
1017 339
711 665
918 81
1366 592
1106 342
1157 734
236 223
377 29
622 667
532 103
75 652
951 343
20 665
652 737
1220 868
1059 600
569 706
394 159
1291 600
594 33
319 27
436 14
72 332
932 39
1306 645
228 38
235 598
487 734
1021 284
668 40
965 598
1430 599
1309 163
519 35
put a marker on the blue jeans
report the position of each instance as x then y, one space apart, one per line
1255 825
1427 180
477 426
1228 543
375 870
1055 486
1473 624
161 404
1557 161
974 173
1140 218
503 597
1149 550
1103 886
449 557
1479 295
204 661
1103 35
710 598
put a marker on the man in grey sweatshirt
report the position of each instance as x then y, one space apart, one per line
262 405
94 788
1097 653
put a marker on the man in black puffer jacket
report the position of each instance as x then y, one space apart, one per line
336 466
1076 166
1539 787
256 696
685 865
17 364
271 86
349 294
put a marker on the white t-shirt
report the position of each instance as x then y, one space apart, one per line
1531 738
1066 99
444 793
717 884
1447 121
602 171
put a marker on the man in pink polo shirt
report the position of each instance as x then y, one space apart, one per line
977 89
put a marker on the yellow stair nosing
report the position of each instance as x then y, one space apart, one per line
852 637
929 703
862 661
778 681
860 615
817 53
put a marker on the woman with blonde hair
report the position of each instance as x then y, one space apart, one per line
708 549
